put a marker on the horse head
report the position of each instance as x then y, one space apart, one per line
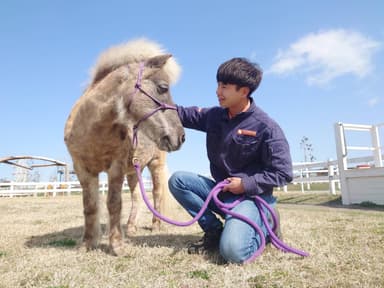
152 106
140 73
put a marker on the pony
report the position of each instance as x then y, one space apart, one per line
125 114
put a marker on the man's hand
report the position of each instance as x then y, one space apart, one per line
235 185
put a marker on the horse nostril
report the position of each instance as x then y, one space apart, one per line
166 140
182 138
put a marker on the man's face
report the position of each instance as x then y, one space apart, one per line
230 95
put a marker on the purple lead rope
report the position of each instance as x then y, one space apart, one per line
260 202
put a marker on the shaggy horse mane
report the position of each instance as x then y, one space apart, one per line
132 52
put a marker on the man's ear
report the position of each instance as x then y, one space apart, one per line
245 91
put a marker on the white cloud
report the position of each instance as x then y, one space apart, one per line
373 101
326 55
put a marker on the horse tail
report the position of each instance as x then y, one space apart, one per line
169 205
165 193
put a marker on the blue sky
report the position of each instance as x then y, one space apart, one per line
323 63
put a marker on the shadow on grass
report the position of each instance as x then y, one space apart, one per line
323 199
177 242
66 239
71 238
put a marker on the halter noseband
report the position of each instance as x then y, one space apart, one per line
162 106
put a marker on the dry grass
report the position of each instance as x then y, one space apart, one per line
39 247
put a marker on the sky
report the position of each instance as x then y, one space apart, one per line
323 63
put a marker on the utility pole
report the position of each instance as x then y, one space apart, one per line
307 150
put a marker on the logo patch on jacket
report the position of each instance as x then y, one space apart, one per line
246 132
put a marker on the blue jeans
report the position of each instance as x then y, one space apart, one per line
238 241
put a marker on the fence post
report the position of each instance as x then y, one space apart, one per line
11 188
308 180
301 182
341 151
35 194
376 146
331 174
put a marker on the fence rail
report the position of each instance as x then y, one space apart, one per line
305 174
309 173
11 189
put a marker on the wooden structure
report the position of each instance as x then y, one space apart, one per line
364 182
42 162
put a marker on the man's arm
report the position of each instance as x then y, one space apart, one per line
193 117
277 172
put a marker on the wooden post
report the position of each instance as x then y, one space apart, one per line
376 146
341 150
331 174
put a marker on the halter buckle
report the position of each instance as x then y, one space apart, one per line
135 161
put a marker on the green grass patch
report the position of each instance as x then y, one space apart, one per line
369 204
3 253
68 242
261 281
379 229
202 274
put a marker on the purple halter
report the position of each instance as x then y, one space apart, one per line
162 105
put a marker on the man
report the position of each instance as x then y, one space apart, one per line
244 146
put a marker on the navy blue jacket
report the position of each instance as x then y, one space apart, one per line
251 146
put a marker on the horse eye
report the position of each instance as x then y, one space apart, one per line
162 88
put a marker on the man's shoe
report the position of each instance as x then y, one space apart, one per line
209 243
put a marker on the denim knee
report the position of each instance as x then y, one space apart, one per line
232 252
174 182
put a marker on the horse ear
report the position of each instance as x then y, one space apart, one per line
157 61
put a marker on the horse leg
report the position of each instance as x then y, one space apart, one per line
90 186
135 204
160 182
114 203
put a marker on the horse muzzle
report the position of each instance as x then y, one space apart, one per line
172 142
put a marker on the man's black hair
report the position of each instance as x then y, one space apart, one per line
241 72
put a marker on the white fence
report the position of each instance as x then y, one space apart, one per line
345 174
309 173
10 189
306 174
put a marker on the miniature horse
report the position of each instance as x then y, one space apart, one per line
125 114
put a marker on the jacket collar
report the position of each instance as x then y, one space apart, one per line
252 108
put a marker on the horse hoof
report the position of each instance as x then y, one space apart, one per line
118 249
155 227
131 230
86 247
89 244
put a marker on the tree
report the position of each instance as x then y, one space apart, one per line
307 149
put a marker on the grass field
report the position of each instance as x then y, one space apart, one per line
40 237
